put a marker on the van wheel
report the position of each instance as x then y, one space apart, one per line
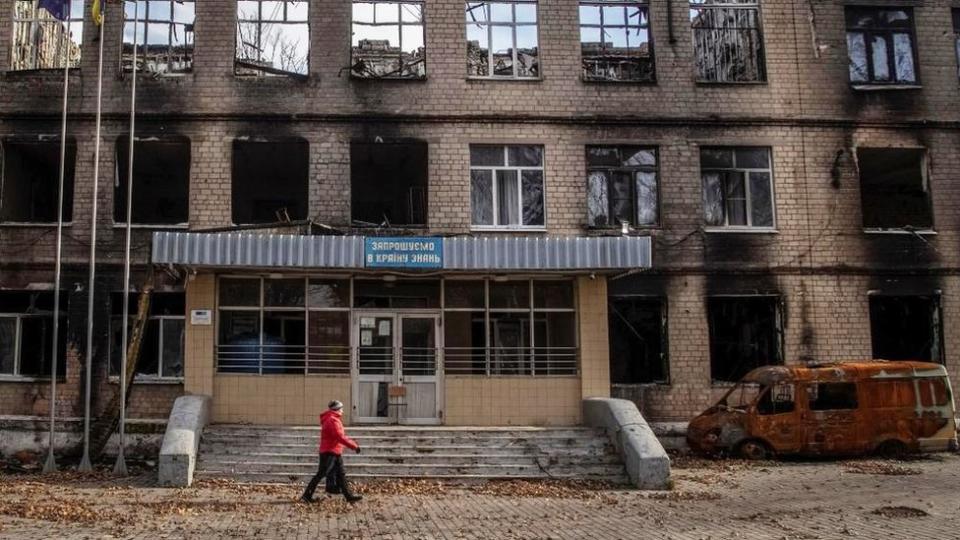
753 450
892 449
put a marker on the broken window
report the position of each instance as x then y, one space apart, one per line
737 187
880 44
388 183
41 41
622 186
168 25
30 180
502 40
161 181
746 332
727 39
956 36
615 42
776 399
270 180
638 339
388 40
273 38
506 186
894 192
906 327
162 346
26 334
832 396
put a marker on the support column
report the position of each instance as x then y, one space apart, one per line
594 342
198 364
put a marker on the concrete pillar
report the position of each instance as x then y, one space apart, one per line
594 344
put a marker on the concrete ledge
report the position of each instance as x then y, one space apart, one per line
648 465
178 454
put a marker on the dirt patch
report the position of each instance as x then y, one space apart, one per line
695 462
558 489
900 512
887 468
680 495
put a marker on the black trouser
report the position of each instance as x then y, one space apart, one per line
331 468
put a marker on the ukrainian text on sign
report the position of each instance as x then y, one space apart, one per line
403 252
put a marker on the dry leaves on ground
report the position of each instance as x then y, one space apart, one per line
401 486
558 489
887 468
900 512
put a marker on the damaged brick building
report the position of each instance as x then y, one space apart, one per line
792 166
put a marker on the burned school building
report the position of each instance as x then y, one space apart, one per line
476 213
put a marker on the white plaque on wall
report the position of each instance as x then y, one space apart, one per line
201 317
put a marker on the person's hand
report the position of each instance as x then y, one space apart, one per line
357 450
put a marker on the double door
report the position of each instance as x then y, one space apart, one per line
396 368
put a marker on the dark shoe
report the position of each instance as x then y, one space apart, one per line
306 500
335 490
351 498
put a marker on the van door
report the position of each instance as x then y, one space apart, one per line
830 421
775 418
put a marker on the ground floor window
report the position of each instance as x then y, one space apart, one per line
161 351
906 327
746 332
637 332
26 334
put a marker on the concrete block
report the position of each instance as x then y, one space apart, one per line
648 465
178 454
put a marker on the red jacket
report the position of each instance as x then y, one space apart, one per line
332 437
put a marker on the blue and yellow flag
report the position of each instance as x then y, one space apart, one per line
97 12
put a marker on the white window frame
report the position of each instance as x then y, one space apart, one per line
495 190
749 227
144 18
158 376
261 23
634 206
489 24
17 346
35 22
400 24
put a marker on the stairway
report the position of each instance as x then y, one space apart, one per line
288 453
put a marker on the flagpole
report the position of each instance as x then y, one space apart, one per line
51 464
121 466
85 462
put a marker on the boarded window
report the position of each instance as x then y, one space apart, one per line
161 181
894 191
167 48
29 185
273 38
161 351
906 327
506 186
502 40
727 39
880 45
615 41
737 187
832 396
638 339
746 332
41 41
270 180
388 183
26 334
622 186
388 40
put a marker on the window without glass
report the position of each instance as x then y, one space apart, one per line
638 339
388 40
737 187
270 180
502 40
728 41
168 48
894 192
832 396
388 183
622 186
880 44
906 327
506 186
746 332
41 41
777 399
161 351
30 180
615 42
26 334
161 181
273 38
956 36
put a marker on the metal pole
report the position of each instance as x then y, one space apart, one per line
120 468
51 464
85 462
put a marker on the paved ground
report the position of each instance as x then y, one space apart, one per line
711 500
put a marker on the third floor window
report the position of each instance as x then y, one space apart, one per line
727 41
273 38
615 41
388 40
880 44
168 27
502 40
42 41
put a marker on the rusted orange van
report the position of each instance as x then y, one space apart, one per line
831 409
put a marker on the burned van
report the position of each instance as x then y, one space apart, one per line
831 410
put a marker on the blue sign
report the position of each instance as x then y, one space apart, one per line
403 252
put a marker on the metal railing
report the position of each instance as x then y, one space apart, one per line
283 359
532 361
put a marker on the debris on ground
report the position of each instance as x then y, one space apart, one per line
557 489
400 486
886 468
900 512
681 495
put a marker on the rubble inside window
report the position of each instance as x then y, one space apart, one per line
388 183
622 186
168 27
746 332
161 181
906 327
273 38
26 333
388 40
728 41
638 339
615 41
270 180
737 187
161 351
41 41
880 45
502 40
30 179
956 36
506 186
894 191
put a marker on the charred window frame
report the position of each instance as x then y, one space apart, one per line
894 189
615 41
507 187
622 186
30 180
728 41
38 37
832 396
26 332
388 40
906 327
168 26
402 200
162 348
746 332
502 40
881 46
638 340
956 36
161 181
270 180
273 38
738 188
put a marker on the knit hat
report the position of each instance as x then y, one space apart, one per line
335 405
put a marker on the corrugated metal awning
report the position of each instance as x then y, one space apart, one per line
487 253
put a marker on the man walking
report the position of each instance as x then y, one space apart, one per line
332 441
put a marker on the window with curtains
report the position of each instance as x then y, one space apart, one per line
880 45
728 41
506 186
622 186
41 41
164 36
737 187
502 40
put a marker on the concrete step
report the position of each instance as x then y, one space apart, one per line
280 478
389 450
419 470
375 440
418 459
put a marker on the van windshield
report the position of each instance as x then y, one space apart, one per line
741 396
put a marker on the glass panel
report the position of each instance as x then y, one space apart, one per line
903 58
148 363
881 69
716 158
328 293
183 12
418 354
735 196
525 156
712 199
526 13
238 348
501 12
554 342
412 294
553 294
597 201
8 344
464 294
603 156
172 348
271 10
753 158
510 295
502 46
510 342
284 337
761 200
639 157
486 155
328 337
375 353
247 10
465 342
857 51
411 13
508 198
158 11
528 64
239 292
283 292
532 186
481 197
621 203
647 210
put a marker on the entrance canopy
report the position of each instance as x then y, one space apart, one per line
488 253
